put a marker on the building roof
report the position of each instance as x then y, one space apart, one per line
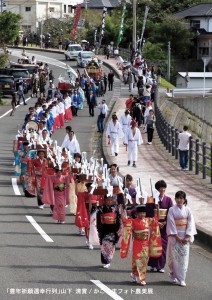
101 3
199 10
196 74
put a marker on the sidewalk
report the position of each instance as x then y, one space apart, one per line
154 161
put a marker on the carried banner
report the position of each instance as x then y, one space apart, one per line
122 25
104 13
76 19
144 24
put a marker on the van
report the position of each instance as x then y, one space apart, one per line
72 51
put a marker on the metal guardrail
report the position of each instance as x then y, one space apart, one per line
200 153
190 91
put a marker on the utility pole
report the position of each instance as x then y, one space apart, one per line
134 24
169 61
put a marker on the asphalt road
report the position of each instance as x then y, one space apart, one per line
32 268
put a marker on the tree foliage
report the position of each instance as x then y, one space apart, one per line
9 27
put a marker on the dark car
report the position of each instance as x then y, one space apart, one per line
18 74
7 85
29 67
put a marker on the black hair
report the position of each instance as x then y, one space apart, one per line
181 194
116 166
185 128
160 184
128 176
69 128
78 155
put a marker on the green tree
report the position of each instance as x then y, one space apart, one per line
9 27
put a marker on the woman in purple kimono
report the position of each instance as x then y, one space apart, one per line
164 204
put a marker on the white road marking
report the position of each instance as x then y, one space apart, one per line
106 289
15 187
7 112
39 229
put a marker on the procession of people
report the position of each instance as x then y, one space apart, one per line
108 210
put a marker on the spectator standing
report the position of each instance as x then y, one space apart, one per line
184 147
102 113
110 78
150 124
21 92
159 74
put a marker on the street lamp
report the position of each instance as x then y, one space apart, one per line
205 61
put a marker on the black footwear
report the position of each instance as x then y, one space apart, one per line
134 165
116 154
25 103
128 163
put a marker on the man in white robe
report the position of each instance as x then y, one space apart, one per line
125 121
133 139
72 144
114 133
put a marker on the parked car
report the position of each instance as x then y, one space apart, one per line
31 68
72 51
18 74
7 85
84 57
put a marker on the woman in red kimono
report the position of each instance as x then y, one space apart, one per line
146 242
56 193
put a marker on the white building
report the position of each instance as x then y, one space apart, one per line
196 80
35 11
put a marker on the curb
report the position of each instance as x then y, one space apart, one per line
204 236
37 49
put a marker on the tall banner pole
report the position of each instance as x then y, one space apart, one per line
120 37
104 13
76 19
144 24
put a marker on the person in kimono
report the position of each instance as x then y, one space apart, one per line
56 193
68 112
125 121
117 183
164 203
37 170
133 139
114 133
108 226
180 230
146 242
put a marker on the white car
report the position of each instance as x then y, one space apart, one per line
72 51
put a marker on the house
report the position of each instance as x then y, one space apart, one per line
199 19
33 12
100 4
196 80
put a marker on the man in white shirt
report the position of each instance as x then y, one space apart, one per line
184 147
72 144
102 114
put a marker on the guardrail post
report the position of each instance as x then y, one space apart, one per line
173 141
167 135
197 157
211 164
176 143
204 160
169 138
190 154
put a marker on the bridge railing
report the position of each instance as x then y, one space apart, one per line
200 153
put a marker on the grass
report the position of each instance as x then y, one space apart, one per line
165 84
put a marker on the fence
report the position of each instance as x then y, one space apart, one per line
200 154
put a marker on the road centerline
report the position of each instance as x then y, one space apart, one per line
39 229
7 112
15 187
107 290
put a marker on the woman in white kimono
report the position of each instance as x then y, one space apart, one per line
133 139
180 230
125 121
114 133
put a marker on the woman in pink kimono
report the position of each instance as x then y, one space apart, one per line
56 193
180 230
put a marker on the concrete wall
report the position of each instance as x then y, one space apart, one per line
178 117
193 83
